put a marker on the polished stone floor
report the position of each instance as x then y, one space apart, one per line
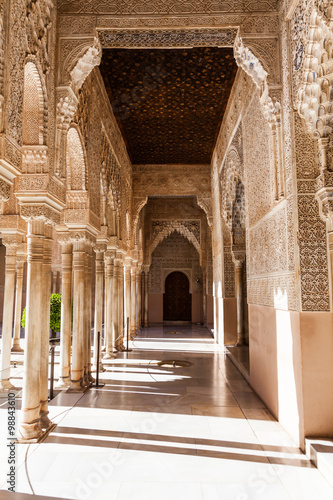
194 432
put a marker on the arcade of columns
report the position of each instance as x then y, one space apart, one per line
66 181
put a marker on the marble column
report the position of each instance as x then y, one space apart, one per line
138 301
116 334
20 260
121 322
66 316
98 317
89 378
8 311
133 303
204 298
45 329
30 425
108 321
240 301
127 308
79 317
146 323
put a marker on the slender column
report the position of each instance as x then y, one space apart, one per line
133 302
240 302
30 427
146 324
127 307
138 301
119 343
109 323
98 318
115 305
204 298
89 378
20 260
66 315
8 311
78 316
45 329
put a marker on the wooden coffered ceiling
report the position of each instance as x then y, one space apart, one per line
169 103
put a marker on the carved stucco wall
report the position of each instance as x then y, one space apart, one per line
312 242
174 253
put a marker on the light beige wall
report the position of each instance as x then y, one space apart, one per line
230 321
291 368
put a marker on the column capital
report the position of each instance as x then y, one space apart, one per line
325 199
238 254
4 191
11 241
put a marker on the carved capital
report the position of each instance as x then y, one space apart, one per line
238 254
325 200
4 191
39 211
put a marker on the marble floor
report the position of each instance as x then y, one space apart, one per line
155 430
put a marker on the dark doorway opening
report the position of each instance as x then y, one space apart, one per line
177 300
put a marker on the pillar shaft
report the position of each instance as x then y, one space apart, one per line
109 314
98 318
115 305
133 302
89 377
127 300
30 427
79 318
240 303
121 321
138 301
18 304
8 312
146 324
66 315
45 328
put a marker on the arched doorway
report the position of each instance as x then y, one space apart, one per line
177 300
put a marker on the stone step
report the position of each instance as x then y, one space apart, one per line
320 452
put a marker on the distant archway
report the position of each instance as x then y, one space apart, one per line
177 300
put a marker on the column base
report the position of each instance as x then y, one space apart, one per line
17 348
76 386
45 422
109 355
30 432
6 385
42 435
63 383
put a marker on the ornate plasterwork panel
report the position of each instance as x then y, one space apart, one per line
174 253
256 162
164 38
173 7
190 229
159 180
268 245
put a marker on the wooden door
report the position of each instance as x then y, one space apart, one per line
177 303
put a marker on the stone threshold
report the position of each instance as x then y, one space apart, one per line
320 452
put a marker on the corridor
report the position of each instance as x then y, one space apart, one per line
194 432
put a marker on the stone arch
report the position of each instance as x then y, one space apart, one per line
81 61
229 178
239 214
179 228
255 69
75 159
187 273
33 107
